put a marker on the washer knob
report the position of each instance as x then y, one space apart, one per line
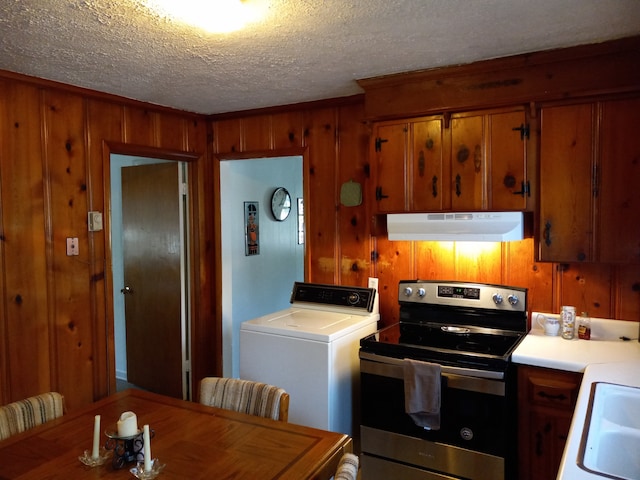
513 299
421 292
408 291
497 298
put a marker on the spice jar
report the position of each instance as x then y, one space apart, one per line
584 327
568 317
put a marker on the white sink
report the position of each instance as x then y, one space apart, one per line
610 443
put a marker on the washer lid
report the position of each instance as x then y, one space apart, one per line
322 326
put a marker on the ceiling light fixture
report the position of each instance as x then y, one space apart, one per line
220 16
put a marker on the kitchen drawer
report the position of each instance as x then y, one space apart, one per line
554 389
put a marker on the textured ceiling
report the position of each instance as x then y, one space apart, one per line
304 50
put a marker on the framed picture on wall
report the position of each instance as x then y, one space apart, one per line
251 230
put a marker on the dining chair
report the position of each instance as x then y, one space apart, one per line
245 396
347 467
24 414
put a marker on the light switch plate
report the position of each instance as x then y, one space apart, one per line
72 246
95 221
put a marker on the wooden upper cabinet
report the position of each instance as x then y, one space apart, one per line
508 183
468 162
589 164
566 165
390 153
430 186
618 179
462 162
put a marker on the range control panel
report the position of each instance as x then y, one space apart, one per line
334 295
462 294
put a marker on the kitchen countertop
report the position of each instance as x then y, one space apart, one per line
622 373
603 358
575 355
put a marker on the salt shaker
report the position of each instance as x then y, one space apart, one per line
568 316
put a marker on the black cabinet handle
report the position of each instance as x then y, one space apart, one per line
560 396
434 186
458 186
547 233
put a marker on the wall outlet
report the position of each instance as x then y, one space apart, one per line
72 246
95 221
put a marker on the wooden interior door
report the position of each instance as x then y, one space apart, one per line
151 254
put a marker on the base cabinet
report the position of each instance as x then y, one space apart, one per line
546 400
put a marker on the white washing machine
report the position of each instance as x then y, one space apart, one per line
311 350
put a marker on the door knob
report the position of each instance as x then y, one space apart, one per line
126 290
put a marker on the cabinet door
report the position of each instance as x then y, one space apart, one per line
467 163
618 177
566 194
507 168
546 401
390 153
430 189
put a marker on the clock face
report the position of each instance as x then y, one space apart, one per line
280 204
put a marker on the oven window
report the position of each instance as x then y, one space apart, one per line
468 419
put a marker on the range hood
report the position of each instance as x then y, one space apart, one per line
457 226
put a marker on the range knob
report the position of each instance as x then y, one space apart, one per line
497 298
421 292
408 291
513 299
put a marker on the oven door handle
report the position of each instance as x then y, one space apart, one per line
461 378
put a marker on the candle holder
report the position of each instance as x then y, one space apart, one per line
89 461
126 449
139 472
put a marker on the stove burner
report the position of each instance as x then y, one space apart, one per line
475 347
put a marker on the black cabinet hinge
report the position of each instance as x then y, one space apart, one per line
379 142
523 129
525 190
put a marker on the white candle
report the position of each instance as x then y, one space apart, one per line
147 449
127 425
95 452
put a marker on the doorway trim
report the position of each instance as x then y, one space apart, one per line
250 155
196 237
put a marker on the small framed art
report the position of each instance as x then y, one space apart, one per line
252 232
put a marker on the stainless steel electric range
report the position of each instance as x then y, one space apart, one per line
470 331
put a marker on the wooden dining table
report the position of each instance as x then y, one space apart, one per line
191 440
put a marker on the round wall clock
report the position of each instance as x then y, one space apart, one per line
280 204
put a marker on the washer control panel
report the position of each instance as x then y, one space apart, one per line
334 295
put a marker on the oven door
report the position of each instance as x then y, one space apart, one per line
475 439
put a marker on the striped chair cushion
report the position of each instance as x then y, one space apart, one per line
243 396
24 414
347 467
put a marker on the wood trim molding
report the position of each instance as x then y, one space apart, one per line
581 71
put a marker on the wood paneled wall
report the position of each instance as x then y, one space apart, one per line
334 143
55 141
344 246
55 326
